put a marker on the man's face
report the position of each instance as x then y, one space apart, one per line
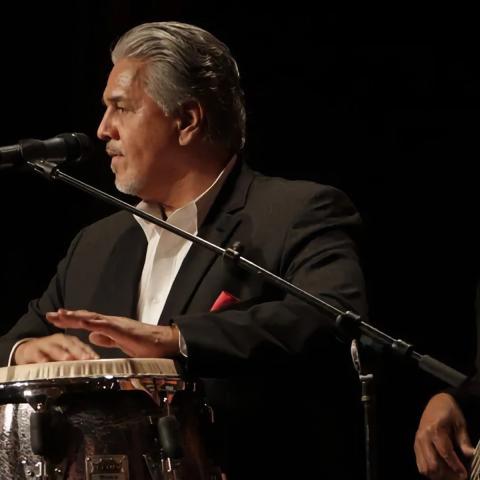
141 139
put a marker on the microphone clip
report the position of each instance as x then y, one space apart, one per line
46 168
234 252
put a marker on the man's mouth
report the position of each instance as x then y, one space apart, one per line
114 153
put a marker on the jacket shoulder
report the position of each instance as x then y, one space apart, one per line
293 196
113 224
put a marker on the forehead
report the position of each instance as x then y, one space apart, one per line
125 76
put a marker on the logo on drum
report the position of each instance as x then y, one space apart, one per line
106 467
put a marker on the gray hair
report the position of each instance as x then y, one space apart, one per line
187 63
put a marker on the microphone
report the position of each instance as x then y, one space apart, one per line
62 148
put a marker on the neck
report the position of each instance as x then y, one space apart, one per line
197 175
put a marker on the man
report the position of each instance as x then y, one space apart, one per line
442 440
443 445
449 423
278 380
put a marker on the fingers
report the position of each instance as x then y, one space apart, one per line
464 442
56 352
420 458
65 347
36 356
106 331
134 338
80 314
86 320
118 329
80 319
57 347
443 444
78 349
429 462
101 340
434 468
442 428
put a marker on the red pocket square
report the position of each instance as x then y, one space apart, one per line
224 300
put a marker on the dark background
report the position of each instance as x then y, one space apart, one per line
349 97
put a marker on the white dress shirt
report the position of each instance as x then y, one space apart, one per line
166 251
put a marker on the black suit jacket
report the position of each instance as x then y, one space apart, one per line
279 381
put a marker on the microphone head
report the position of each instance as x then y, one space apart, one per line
79 146
66 147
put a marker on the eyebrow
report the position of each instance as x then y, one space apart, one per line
112 99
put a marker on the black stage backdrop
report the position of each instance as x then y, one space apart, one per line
349 97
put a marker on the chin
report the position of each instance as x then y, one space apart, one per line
130 187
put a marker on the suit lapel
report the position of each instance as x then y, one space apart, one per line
222 220
121 273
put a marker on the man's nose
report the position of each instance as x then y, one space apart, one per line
106 130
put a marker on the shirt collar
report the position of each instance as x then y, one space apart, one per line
191 215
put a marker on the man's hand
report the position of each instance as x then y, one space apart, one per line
136 339
442 428
57 347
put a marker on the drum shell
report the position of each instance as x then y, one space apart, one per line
103 417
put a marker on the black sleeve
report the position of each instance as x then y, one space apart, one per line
33 323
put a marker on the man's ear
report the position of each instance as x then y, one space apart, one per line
190 119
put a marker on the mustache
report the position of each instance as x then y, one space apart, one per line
113 150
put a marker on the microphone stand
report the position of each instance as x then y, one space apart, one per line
348 323
369 417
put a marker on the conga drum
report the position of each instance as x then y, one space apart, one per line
114 419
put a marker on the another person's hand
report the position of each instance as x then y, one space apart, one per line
136 339
57 347
441 431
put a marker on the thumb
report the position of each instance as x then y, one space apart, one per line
101 340
464 442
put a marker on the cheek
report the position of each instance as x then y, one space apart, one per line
136 163
144 149
131 151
